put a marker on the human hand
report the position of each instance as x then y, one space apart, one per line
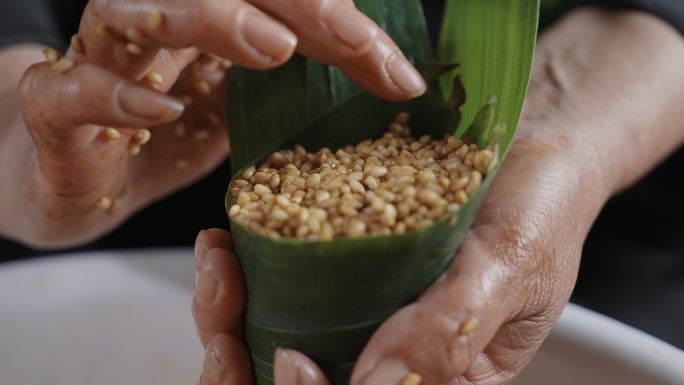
80 178
485 317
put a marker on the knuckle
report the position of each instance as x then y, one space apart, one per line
32 97
431 326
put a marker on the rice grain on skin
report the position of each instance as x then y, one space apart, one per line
225 64
203 87
469 326
134 49
154 19
51 55
155 78
62 66
201 135
185 99
412 379
116 206
113 133
134 149
101 29
104 203
134 35
179 129
141 136
76 44
392 185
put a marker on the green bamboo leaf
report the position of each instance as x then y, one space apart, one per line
282 101
326 298
482 124
494 60
268 104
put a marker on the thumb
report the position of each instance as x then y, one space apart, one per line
463 330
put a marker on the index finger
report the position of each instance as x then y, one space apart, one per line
262 34
335 33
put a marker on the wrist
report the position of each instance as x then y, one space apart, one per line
606 87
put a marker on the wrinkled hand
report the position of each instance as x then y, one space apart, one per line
137 64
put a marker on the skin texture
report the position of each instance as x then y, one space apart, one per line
53 130
602 110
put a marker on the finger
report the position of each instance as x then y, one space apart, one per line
219 299
87 94
187 149
439 337
294 368
336 33
231 29
211 239
384 71
226 362
332 31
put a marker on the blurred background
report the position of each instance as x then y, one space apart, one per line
633 261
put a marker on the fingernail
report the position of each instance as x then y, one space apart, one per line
268 36
215 356
349 25
406 77
205 285
200 249
148 104
390 372
284 369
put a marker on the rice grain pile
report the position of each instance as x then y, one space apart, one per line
379 187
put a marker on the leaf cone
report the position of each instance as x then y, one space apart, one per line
326 299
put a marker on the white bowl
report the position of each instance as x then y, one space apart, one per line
110 318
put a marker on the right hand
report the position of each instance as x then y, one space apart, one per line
132 53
